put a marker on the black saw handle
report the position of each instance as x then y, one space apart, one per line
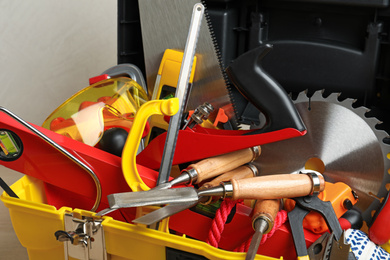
263 91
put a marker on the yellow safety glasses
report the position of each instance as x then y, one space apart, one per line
88 113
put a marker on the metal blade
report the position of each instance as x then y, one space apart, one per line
254 246
162 18
163 186
162 213
260 227
340 249
317 250
181 93
340 138
329 246
153 198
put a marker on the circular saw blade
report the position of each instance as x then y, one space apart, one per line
340 139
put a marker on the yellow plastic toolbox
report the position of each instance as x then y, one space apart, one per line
35 223
49 232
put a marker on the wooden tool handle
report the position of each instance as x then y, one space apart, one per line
239 173
267 208
274 186
214 166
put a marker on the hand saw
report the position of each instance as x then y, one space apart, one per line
162 28
283 120
209 85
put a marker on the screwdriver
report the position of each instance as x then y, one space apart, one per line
264 214
214 166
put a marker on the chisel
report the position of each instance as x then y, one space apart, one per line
242 172
264 214
261 187
214 166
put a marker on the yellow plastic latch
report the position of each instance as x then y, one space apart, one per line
167 107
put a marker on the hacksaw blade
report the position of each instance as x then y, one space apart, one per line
164 25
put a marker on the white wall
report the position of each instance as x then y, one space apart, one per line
49 49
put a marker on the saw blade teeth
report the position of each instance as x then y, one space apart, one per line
333 97
302 97
349 101
381 134
373 121
219 57
318 95
362 111
378 127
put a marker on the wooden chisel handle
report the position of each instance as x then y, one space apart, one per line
242 172
264 214
266 209
275 186
217 165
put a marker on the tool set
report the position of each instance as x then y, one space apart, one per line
166 168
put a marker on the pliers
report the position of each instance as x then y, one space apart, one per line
312 203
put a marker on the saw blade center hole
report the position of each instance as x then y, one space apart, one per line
315 164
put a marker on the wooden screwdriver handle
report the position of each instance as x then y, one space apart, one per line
217 165
275 186
267 208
